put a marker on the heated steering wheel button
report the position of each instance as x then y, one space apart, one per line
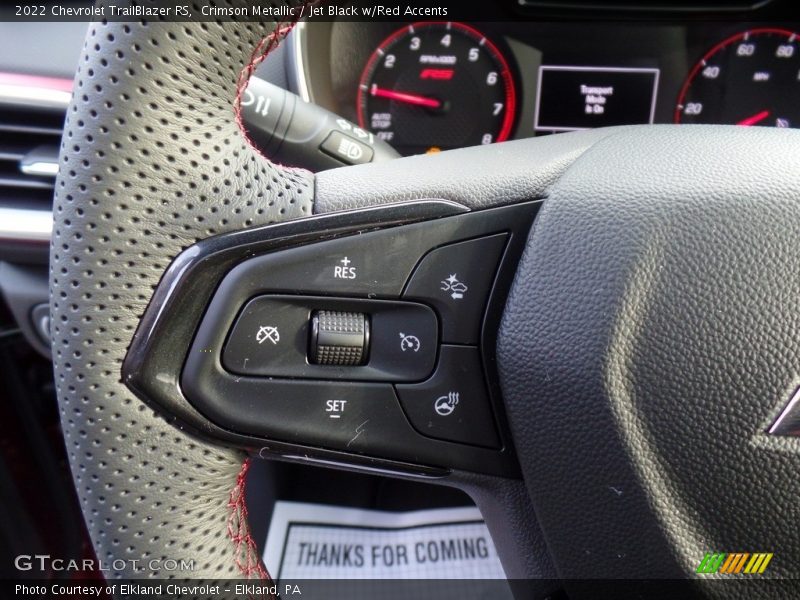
456 280
452 405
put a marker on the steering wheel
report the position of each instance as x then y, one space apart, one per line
647 348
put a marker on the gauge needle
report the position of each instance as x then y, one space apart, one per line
405 97
756 118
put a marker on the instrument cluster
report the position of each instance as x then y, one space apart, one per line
431 86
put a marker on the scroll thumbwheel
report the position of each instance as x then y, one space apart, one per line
339 338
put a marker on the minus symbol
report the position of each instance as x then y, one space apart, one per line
335 416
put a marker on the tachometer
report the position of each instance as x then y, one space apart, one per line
752 78
433 86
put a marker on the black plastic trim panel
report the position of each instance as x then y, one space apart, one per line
158 353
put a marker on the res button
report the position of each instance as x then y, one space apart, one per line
456 281
371 264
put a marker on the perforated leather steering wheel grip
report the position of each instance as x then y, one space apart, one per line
152 160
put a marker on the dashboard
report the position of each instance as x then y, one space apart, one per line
440 85
432 86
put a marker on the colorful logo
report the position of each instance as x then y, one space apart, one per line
734 563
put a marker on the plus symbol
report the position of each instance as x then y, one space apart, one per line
345 261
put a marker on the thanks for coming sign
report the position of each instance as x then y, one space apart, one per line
324 542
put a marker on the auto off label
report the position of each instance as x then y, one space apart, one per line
308 541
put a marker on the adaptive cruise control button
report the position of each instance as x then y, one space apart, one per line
452 405
456 280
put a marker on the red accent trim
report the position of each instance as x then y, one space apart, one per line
756 118
50 83
726 42
260 52
404 97
246 553
438 74
505 72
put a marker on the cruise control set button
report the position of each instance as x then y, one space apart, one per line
334 415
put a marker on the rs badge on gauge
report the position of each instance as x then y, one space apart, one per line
433 86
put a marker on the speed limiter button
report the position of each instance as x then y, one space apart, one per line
452 405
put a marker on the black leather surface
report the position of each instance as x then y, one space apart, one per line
650 339
152 161
477 177
507 510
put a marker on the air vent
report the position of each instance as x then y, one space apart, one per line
32 111
29 142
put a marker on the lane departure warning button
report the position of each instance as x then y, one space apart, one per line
456 281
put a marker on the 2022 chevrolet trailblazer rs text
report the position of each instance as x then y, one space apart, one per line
433 300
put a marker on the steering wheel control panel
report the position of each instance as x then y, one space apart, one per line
332 338
379 343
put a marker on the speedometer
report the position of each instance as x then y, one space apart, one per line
433 86
752 78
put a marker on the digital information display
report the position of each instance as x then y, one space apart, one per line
571 98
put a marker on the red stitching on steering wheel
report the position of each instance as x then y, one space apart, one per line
260 52
246 554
